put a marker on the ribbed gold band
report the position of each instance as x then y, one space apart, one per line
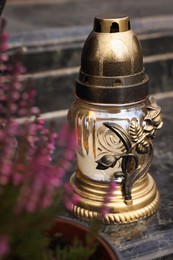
92 197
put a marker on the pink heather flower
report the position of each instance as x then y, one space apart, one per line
22 111
22 103
32 170
41 122
108 198
39 178
43 184
12 129
15 95
20 69
4 44
2 135
27 163
46 202
70 198
4 246
40 182
45 131
2 66
3 47
17 179
4 180
17 85
6 168
63 134
39 127
32 93
105 211
13 108
4 58
35 110
25 96
4 37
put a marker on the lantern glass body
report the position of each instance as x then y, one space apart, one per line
95 140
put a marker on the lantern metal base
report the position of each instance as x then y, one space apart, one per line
145 200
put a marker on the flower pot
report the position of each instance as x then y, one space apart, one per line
71 229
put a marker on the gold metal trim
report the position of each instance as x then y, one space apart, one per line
111 23
92 198
111 63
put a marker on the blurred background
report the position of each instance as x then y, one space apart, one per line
29 15
52 33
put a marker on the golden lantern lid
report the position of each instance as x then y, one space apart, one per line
111 63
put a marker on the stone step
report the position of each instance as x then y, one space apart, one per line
52 48
55 49
56 88
32 15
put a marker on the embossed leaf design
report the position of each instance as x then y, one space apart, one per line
153 112
139 137
136 131
106 161
153 116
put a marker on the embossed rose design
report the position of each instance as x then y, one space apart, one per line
153 120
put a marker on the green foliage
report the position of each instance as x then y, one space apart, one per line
71 251
26 231
75 252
